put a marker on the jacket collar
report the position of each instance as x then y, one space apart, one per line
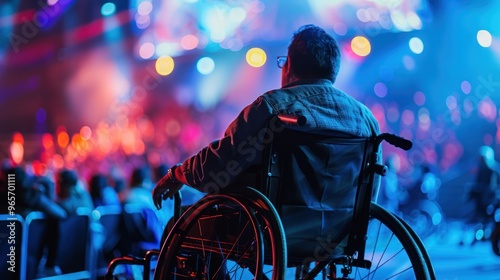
325 82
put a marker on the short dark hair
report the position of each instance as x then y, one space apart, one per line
68 177
313 53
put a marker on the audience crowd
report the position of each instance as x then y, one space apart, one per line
64 193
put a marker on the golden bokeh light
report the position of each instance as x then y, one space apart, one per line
256 57
361 46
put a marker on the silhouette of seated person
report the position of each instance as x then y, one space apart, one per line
101 192
143 223
34 194
486 183
71 194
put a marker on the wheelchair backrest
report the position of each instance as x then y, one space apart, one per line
315 182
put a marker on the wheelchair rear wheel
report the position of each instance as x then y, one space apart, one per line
392 250
223 237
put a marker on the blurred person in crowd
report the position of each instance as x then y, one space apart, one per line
34 194
486 183
144 231
101 192
118 182
71 194
140 186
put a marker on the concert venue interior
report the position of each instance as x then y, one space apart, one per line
106 86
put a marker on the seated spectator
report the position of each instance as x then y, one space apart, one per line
71 195
34 195
102 194
143 231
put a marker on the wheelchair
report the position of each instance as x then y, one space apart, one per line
278 229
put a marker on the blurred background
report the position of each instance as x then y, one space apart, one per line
110 85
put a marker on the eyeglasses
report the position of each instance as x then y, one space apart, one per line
281 61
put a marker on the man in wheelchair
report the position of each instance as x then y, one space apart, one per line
309 71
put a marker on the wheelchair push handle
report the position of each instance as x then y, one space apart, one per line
396 141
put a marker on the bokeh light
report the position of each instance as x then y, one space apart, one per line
62 138
451 102
484 38
408 117
17 152
47 141
205 65
164 65
419 98
189 42
466 87
380 89
41 115
416 45
86 132
17 137
142 21
145 8
256 57
361 46
147 50
108 9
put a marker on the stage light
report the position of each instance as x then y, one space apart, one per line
451 102
17 152
361 46
86 132
189 42
145 8
62 139
18 138
108 9
408 117
416 45
164 65
205 65
424 120
380 89
147 50
414 20
484 38
142 21
466 87
419 98
47 141
256 57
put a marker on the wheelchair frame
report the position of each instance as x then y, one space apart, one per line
254 203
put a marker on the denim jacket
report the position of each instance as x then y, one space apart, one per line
326 109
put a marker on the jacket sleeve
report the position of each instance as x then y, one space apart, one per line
219 163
